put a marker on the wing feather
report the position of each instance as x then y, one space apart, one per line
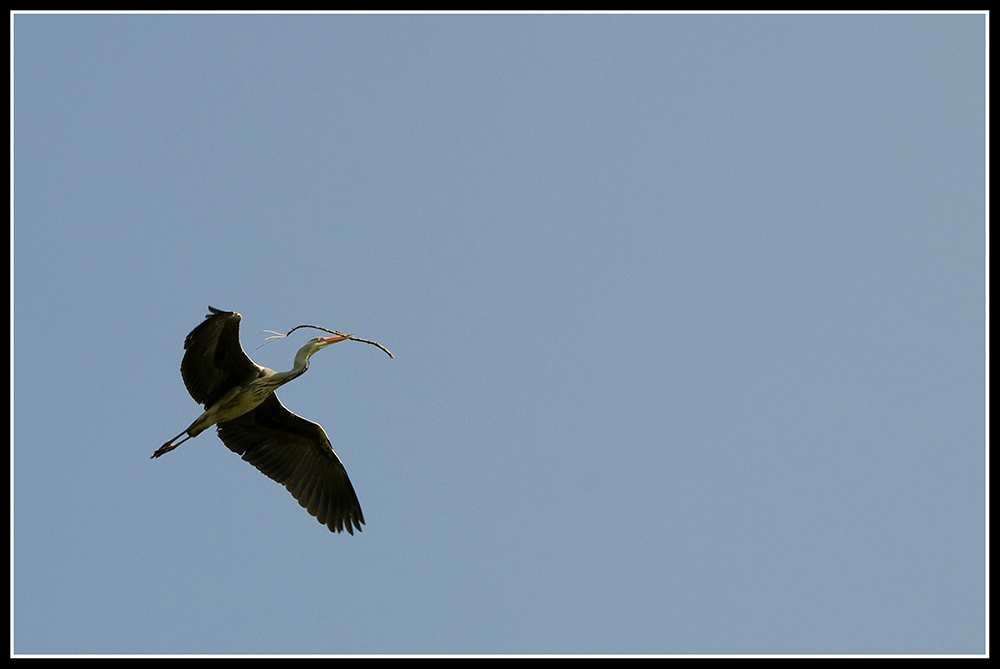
296 453
214 361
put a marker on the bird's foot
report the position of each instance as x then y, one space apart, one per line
166 448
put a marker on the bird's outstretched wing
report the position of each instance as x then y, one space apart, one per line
296 453
214 360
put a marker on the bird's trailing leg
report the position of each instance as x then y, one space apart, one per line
205 421
227 407
170 445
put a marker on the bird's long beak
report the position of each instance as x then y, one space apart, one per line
334 340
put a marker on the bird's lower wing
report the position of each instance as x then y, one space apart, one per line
296 453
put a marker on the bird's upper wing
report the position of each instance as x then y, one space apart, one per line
214 361
296 453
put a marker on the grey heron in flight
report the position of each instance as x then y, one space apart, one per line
239 399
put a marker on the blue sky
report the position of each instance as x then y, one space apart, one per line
688 316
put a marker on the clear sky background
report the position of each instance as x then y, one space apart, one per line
688 316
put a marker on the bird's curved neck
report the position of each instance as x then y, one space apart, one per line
298 368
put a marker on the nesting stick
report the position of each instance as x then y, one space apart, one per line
278 335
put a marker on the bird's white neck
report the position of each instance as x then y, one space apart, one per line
298 368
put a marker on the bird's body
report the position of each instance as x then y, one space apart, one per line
239 398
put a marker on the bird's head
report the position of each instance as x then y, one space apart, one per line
317 344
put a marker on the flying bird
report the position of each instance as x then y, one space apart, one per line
239 399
